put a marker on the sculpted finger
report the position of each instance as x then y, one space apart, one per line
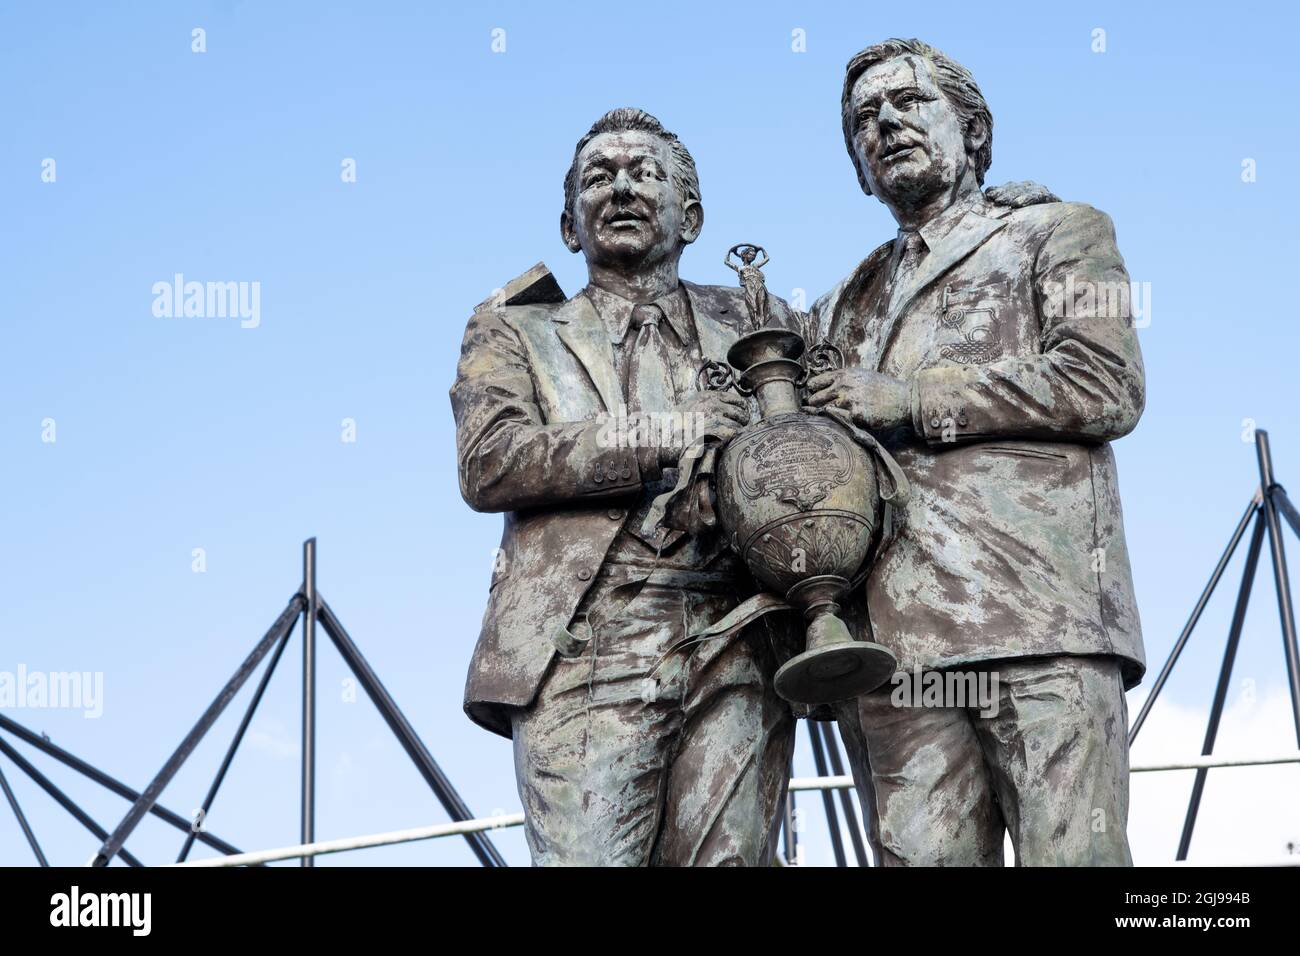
820 381
718 406
724 431
738 422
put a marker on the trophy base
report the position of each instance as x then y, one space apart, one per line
835 666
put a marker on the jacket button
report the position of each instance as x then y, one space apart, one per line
584 574
599 477
615 514
626 472
934 423
962 421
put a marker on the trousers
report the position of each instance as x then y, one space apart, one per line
1047 763
692 776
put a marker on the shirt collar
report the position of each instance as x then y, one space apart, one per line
616 311
938 228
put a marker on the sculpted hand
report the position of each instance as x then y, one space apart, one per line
1020 194
720 414
874 400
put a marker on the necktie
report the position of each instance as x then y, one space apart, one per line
913 248
649 375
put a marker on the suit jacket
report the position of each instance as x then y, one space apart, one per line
1012 544
531 383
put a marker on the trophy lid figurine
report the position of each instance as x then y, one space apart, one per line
801 499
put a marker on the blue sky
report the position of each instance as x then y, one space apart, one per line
182 433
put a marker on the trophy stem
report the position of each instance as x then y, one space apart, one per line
826 628
833 666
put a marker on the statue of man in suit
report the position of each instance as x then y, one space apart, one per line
992 351
585 599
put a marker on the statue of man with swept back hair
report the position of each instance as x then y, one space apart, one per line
585 599
980 349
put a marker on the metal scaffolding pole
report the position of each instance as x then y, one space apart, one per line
1196 616
309 696
788 822
61 798
1285 508
152 792
828 798
211 796
846 797
1281 579
22 820
1225 676
112 784
483 848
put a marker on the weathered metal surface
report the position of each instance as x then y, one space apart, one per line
580 608
978 348
1050 767
800 500
1010 548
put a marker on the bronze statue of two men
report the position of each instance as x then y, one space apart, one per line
973 351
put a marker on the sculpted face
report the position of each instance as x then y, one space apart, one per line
908 139
628 211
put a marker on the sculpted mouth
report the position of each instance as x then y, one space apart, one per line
895 150
624 216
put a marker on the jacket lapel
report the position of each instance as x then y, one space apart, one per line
580 328
967 235
850 291
715 336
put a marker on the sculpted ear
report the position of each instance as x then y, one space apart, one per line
568 233
692 221
977 134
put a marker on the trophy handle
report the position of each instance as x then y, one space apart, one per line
822 357
717 377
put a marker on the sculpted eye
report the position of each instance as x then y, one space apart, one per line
596 179
908 100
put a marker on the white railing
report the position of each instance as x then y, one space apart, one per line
516 819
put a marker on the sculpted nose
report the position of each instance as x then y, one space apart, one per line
888 117
622 183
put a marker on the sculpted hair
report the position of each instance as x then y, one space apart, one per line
625 119
954 80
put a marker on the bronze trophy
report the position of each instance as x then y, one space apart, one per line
799 496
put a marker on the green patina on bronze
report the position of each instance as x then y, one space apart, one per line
999 401
997 413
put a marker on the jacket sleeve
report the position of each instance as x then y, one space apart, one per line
508 457
1085 384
